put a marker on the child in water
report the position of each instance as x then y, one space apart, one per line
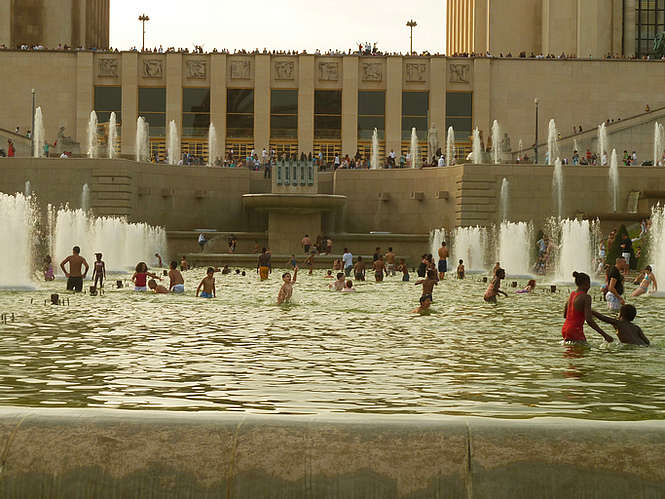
208 285
493 289
647 280
338 285
48 269
578 310
176 281
425 302
329 275
157 288
348 287
460 270
99 271
286 291
530 286
404 270
626 331
141 275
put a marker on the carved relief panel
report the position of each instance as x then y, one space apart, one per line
240 70
284 70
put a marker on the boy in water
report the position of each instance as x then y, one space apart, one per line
176 281
428 284
379 268
99 271
286 291
359 269
460 270
348 287
626 331
309 261
425 302
157 288
184 264
338 285
404 270
329 275
493 289
208 285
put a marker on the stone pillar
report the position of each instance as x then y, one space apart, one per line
218 99
174 92
481 95
261 102
349 105
130 102
480 20
629 30
6 23
594 28
437 97
85 97
306 104
393 116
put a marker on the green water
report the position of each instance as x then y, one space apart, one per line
326 352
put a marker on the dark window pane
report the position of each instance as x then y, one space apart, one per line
462 127
420 125
327 102
327 127
284 126
105 116
371 103
284 102
240 100
415 103
459 103
196 121
195 100
152 100
371 122
155 119
240 125
108 99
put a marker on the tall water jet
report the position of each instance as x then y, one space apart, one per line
85 198
38 134
470 244
173 144
142 140
514 244
212 145
557 188
657 245
436 237
574 247
603 142
374 158
414 148
477 149
552 146
658 144
575 146
614 181
18 220
503 200
92 135
450 147
496 143
520 146
27 191
113 136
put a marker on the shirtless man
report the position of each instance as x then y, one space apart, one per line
626 331
359 269
286 291
306 243
390 262
379 268
74 276
176 281
208 285
428 284
443 260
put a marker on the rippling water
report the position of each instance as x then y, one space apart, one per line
326 352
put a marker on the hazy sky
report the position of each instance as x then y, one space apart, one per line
275 24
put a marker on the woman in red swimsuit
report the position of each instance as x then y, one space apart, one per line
578 311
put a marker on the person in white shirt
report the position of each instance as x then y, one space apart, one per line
442 161
347 258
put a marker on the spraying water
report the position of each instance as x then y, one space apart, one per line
212 145
557 188
575 249
113 135
450 147
614 181
657 244
477 149
503 200
414 148
27 191
552 146
514 244
520 149
374 158
85 198
469 244
173 144
658 144
18 220
575 146
436 237
142 138
38 134
92 135
496 142
603 143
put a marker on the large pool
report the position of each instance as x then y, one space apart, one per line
327 352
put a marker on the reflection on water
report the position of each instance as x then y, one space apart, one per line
326 352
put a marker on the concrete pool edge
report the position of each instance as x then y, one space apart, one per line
61 452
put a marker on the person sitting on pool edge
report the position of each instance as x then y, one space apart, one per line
578 310
208 285
626 331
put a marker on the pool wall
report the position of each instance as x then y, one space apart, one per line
68 453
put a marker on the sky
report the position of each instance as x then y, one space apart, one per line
275 24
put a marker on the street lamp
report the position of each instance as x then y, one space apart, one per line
412 24
535 147
143 18
32 130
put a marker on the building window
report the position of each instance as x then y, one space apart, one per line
108 100
240 113
152 107
650 20
415 108
371 114
284 114
459 113
195 112
328 114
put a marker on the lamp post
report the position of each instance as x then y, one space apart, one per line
411 24
143 18
535 147
32 130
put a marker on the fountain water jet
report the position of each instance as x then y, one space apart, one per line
212 145
436 237
503 200
552 146
520 147
603 142
514 243
173 144
92 135
113 135
414 148
575 248
38 134
657 246
477 149
658 144
496 143
142 140
85 198
614 181
469 244
557 188
450 147
27 191
374 158
18 219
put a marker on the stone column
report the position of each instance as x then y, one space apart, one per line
349 105
481 95
437 97
130 102
218 99
174 92
629 30
306 104
6 23
261 102
85 97
393 116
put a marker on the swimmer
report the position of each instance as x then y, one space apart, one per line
141 275
329 275
359 269
460 270
208 285
338 285
493 289
337 264
428 283
578 310
99 271
626 331
648 280
226 270
404 270
157 288
348 287
530 286
184 264
425 302
176 281
309 261
379 268
286 291
293 262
